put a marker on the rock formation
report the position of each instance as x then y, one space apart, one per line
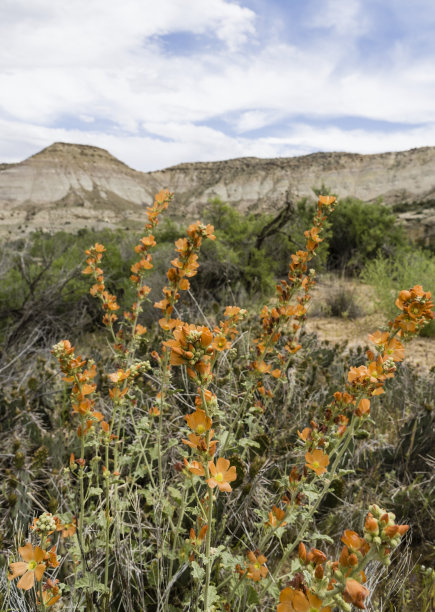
69 186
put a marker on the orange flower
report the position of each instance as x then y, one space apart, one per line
118 376
256 567
305 434
67 529
194 467
313 238
200 443
220 342
296 601
355 593
302 552
416 305
51 557
354 542
30 568
379 338
394 350
317 461
198 421
210 399
234 312
371 524
221 474
276 516
191 346
392 530
363 407
326 200
316 556
50 593
197 540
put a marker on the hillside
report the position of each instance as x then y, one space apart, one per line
68 186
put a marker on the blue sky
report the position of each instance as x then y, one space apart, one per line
161 83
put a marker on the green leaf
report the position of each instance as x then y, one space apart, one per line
94 491
251 596
175 493
320 536
198 572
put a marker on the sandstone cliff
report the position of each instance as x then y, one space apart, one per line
68 186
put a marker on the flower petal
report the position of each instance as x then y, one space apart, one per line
27 581
17 569
39 554
26 552
222 464
224 486
39 570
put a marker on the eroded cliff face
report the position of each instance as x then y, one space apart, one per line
70 186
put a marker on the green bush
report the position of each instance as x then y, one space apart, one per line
41 279
359 232
236 257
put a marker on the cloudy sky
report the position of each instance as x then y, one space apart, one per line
168 81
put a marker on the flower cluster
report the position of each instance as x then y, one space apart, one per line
45 524
108 300
286 316
416 306
341 583
143 265
192 346
227 331
200 502
83 387
184 267
368 380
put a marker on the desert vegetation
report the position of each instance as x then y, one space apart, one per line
174 439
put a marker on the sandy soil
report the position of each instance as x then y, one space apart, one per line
420 351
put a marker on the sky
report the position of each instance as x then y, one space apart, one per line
163 82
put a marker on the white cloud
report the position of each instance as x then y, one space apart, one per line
106 65
345 18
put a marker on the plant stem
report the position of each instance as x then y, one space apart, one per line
82 494
107 534
209 509
160 430
207 544
177 531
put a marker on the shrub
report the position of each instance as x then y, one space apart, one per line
341 302
42 285
235 251
186 486
360 232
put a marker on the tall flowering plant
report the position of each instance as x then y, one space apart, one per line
165 510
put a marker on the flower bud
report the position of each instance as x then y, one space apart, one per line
319 572
371 524
375 510
302 552
352 559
